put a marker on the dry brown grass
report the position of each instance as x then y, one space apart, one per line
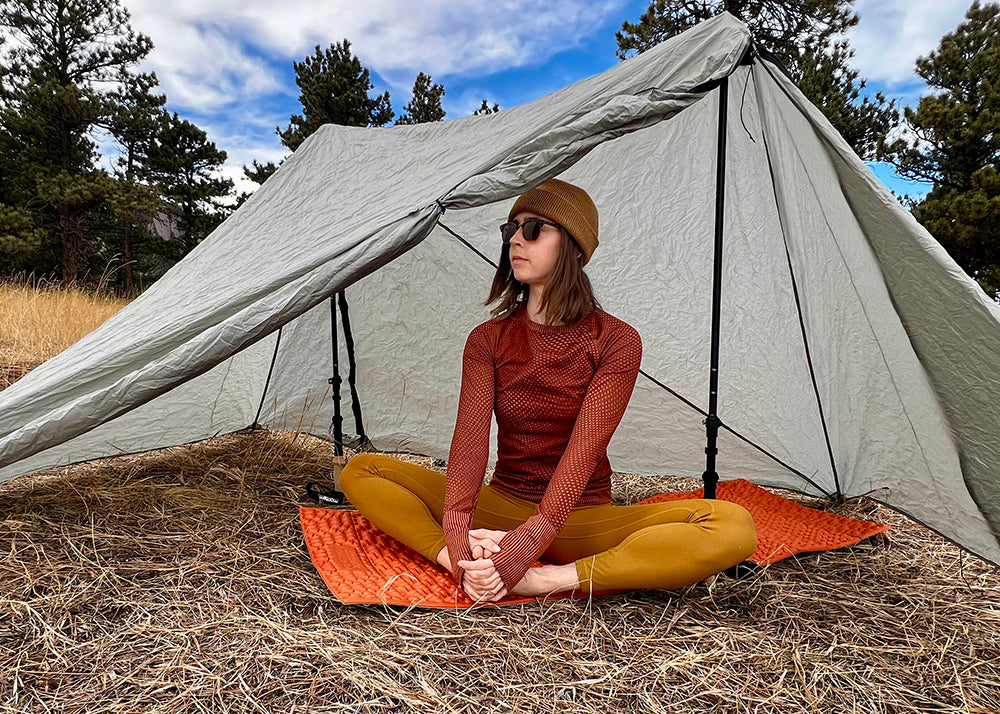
178 581
38 322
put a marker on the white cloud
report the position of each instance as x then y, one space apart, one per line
223 52
208 52
201 66
219 62
223 61
891 34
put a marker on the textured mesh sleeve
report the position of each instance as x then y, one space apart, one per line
470 446
600 413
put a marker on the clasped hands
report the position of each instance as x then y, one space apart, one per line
481 581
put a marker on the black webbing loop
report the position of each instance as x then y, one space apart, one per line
359 424
324 496
337 425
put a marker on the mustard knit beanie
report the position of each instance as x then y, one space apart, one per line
567 205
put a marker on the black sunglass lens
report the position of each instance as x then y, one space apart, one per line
530 229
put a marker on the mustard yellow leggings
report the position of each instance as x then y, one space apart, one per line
654 546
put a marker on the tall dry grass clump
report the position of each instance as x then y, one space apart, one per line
38 321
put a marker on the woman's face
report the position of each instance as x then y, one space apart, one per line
533 262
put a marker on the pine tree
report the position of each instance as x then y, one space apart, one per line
485 109
53 87
829 83
184 164
20 240
258 172
954 143
334 90
136 116
784 27
426 103
803 34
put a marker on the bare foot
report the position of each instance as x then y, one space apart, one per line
547 580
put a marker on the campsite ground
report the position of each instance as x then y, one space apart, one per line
178 581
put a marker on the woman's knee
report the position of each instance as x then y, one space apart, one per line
357 470
737 530
369 476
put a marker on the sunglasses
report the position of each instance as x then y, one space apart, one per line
530 229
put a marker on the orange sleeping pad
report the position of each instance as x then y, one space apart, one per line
361 564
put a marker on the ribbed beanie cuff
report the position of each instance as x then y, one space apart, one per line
567 205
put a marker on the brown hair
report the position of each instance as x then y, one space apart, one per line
569 295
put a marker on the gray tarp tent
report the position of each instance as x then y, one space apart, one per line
856 356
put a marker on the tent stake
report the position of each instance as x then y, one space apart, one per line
712 421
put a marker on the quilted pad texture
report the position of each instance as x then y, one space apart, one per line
362 565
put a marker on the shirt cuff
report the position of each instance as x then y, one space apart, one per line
456 535
521 547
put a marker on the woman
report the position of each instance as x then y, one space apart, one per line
558 371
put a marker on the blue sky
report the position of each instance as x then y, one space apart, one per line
227 64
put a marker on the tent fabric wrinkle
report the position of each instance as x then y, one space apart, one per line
552 152
855 356
793 282
932 450
211 347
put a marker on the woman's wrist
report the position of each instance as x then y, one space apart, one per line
444 560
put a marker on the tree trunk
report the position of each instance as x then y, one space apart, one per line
67 218
70 243
129 279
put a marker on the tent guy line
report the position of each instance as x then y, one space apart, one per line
468 244
679 396
798 300
863 307
743 438
905 347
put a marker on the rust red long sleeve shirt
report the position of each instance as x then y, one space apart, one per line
559 393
